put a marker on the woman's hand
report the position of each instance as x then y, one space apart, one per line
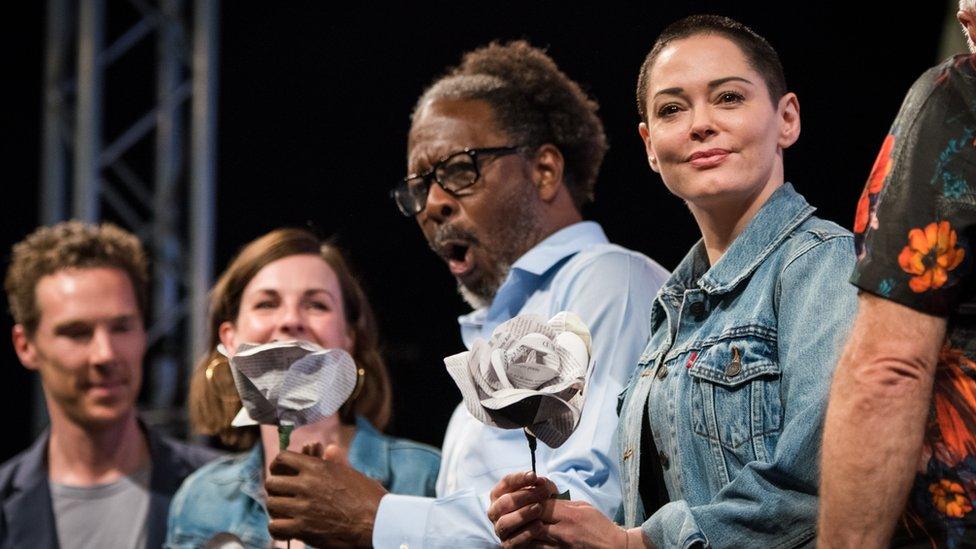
525 514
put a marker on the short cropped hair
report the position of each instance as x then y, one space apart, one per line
535 103
760 55
71 245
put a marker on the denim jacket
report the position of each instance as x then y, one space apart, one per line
734 381
227 495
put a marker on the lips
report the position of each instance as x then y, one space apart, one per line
459 257
709 158
108 388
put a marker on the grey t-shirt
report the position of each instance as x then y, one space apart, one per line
103 516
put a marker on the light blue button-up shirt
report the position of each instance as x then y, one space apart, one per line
611 288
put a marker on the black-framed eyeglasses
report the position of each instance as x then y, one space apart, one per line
456 172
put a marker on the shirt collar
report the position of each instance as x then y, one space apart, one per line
779 216
558 246
526 274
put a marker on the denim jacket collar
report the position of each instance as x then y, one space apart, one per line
368 453
783 211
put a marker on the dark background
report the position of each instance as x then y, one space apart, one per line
313 114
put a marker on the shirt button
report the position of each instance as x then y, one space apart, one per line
628 452
662 372
664 459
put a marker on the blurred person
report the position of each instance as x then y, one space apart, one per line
98 477
720 425
907 378
288 285
503 153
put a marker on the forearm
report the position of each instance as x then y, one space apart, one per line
880 394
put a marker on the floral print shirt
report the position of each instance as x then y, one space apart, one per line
914 230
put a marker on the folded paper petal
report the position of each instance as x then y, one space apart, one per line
530 374
290 382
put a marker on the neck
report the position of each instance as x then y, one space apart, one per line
325 431
85 456
722 220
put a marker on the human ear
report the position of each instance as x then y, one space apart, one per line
24 347
788 112
645 135
227 333
547 171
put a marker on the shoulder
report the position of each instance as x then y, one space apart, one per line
413 466
947 87
217 498
223 475
173 460
405 450
20 468
223 470
822 237
611 264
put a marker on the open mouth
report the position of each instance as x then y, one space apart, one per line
458 256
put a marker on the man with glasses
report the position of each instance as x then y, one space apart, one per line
503 153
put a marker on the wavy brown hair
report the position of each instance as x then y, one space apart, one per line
213 400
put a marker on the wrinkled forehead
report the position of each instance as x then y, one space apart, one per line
444 126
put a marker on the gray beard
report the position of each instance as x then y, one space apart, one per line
485 293
518 231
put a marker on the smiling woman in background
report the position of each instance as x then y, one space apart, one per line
287 285
721 423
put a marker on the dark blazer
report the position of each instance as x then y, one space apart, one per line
26 512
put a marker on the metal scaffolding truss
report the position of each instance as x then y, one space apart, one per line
139 177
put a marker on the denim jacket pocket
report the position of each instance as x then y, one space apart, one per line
735 399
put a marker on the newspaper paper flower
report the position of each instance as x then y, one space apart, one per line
290 383
529 375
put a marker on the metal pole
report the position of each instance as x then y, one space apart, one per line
169 159
202 169
88 126
54 181
53 154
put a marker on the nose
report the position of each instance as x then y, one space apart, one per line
292 324
441 205
102 348
701 125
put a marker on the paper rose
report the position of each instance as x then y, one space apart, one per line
290 383
529 375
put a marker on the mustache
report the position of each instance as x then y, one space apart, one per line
447 234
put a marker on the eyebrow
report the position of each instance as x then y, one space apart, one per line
310 291
73 325
711 85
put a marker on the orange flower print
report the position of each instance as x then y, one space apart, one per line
953 435
930 255
950 498
882 166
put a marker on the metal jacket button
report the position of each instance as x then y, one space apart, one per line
662 372
735 366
